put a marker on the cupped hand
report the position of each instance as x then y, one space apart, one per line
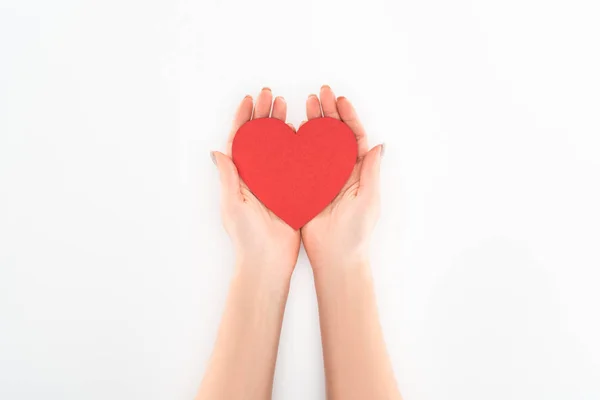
339 236
261 240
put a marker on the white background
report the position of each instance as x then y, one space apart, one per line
113 262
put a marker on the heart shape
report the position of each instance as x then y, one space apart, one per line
295 175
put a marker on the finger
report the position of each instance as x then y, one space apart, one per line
292 127
228 174
279 108
242 115
313 107
328 102
301 123
369 172
262 109
348 115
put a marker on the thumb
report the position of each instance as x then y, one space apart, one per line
369 172
230 180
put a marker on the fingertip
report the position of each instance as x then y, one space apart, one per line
243 113
329 103
279 101
327 90
262 107
247 101
217 156
224 163
313 107
279 110
344 106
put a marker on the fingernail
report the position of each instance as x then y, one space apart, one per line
247 97
266 88
281 98
382 152
327 87
213 158
312 95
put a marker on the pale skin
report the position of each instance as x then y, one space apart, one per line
357 365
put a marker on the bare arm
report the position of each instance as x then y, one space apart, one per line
356 361
357 365
243 361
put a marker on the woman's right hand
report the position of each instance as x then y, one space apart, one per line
261 240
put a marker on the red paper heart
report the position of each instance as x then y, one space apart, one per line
295 175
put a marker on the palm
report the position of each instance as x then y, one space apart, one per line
262 223
337 206
253 226
336 219
342 222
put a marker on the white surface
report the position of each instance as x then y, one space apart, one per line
113 262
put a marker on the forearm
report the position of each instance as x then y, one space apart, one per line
357 365
243 361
